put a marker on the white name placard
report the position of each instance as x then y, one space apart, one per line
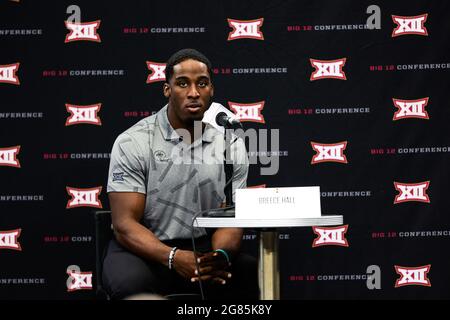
276 203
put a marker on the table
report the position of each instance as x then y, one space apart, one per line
269 274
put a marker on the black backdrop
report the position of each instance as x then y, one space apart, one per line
358 110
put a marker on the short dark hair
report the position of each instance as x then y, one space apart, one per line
186 54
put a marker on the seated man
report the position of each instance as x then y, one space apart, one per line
154 196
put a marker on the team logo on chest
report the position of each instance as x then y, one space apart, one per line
161 156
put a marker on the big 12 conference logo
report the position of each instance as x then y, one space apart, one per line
330 236
78 280
250 112
412 192
413 276
8 157
83 114
328 69
83 31
410 109
410 25
84 197
242 29
333 152
8 73
9 239
157 71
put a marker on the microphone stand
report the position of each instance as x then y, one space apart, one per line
228 211
228 167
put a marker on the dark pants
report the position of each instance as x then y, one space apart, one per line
125 274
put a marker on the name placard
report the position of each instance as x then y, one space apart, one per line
276 203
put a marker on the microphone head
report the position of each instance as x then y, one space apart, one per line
222 119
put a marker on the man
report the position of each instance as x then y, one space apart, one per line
154 196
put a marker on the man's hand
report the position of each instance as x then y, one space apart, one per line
212 268
184 263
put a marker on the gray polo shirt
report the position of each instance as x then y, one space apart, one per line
178 179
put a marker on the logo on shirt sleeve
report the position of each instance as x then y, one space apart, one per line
118 176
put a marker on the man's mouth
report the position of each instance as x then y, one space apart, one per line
193 107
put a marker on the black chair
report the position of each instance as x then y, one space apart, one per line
103 234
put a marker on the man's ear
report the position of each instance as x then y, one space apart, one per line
166 90
212 90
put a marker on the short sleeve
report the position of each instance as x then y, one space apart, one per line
127 166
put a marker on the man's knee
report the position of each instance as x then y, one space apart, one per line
130 283
124 275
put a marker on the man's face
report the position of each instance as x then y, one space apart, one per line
189 91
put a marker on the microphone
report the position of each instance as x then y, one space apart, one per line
224 120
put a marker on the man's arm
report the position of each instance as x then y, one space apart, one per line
213 265
127 211
228 239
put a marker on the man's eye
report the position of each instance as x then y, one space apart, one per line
202 84
182 84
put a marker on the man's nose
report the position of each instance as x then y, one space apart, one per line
193 92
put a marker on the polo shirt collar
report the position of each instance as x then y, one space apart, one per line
170 134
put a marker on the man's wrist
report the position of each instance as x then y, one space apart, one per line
224 253
170 260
